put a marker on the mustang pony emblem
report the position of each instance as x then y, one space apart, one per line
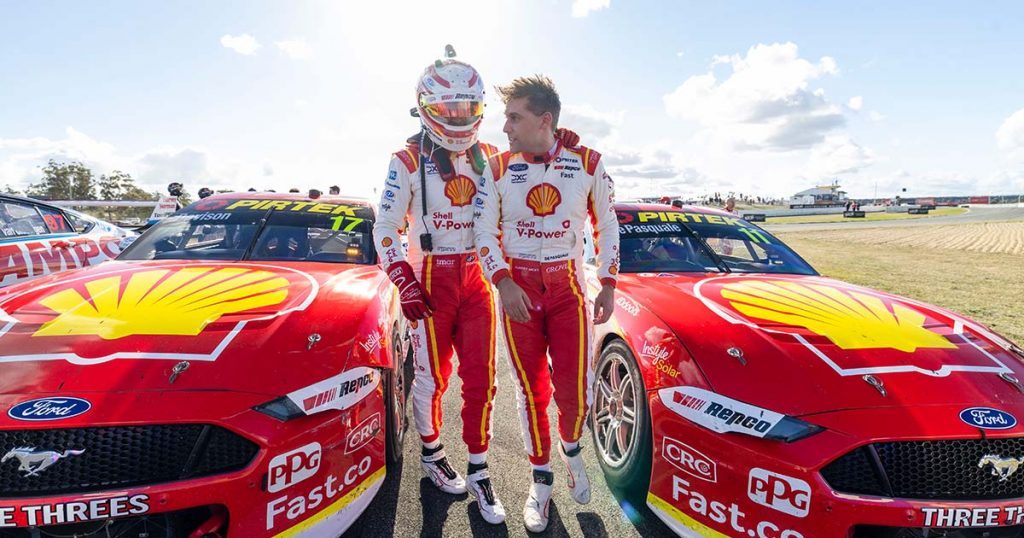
1001 467
32 462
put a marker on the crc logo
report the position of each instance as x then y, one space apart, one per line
780 492
293 467
689 460
363 433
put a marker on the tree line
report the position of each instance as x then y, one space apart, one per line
75 181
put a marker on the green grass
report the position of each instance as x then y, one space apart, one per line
868 217
984 286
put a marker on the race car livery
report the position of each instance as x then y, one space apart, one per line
38 239
236 372
739 393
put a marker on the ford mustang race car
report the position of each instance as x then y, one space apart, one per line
37 239
237 372
741 394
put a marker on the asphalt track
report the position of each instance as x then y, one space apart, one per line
408 504
973 215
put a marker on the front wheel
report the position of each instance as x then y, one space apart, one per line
394 403
620 421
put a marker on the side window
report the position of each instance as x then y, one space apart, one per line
55 221
19 220
80 224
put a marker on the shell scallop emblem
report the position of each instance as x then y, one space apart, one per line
850 319
160 302
543 199
460 191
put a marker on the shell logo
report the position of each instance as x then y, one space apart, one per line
386 242
613 270
543 199
160 302
850 319
485 251
460 191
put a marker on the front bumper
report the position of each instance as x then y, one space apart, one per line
312 476
706 484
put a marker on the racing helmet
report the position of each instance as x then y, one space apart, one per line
450 102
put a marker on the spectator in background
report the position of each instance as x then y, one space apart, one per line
314 194
205 192
293 190
678 204
252 189
730 206
334 190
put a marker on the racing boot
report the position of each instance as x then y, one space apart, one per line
535 513
577 479
435 464
478 482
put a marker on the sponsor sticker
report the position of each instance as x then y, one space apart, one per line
518 167
719 413
363 433
959 518
689 460
290 468
73 512
779 492
339 392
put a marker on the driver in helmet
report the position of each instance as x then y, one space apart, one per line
432 182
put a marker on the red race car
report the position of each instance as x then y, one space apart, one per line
739 393
237 371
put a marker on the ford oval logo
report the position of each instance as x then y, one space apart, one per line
57 408
987 418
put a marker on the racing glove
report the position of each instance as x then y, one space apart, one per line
415 303
568 137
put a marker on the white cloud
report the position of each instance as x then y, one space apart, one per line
765 103
582 8
296 49
876 116
855 103
242 44
680 54
837 155
591 124
22 159
1010 135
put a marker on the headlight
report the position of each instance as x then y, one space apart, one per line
282 409
723 414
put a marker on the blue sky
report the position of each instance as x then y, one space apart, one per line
682 97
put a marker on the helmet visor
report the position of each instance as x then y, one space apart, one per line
457 113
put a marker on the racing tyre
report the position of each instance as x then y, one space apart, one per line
394 400
620 422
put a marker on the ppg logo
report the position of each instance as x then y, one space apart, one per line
783 493
293 467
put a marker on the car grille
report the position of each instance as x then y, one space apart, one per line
932 470
121 456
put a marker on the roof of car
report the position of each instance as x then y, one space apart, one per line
671 209
27 200
324 198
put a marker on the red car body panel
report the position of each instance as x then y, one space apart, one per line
815 349
112 334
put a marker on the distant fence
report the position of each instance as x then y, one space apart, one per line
949 200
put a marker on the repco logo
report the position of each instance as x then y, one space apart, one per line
363 433
293 467
689 460
780 492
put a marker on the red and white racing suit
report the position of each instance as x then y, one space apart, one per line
464 303
533 212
